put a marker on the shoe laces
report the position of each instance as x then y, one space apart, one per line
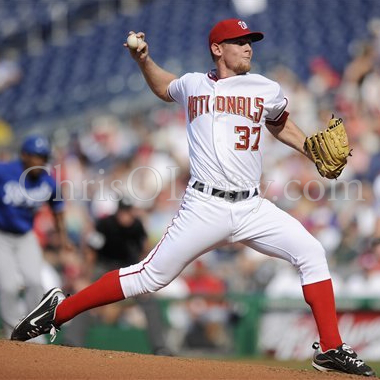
356 362
349 350
348 353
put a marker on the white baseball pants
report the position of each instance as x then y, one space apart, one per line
205 222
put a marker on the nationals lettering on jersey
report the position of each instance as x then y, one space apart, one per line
225 118
237 105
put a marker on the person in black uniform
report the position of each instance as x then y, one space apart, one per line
118 239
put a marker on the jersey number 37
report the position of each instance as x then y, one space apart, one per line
248 137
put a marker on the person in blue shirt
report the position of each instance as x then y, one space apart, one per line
25 185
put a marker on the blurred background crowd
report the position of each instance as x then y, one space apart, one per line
64 73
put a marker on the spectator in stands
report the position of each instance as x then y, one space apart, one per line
366 281
10 73
207 307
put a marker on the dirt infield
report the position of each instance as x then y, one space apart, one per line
32 361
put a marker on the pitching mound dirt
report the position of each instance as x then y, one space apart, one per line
33 361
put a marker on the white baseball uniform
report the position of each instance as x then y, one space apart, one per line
221 204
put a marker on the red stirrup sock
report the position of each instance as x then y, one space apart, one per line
102 292
320 297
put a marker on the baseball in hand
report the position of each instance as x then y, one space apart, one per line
133 41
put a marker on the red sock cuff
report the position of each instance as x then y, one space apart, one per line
102 292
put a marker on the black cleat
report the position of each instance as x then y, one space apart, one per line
342 359
41 319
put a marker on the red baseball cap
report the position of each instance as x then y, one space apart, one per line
232 28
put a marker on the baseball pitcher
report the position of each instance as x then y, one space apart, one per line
227 110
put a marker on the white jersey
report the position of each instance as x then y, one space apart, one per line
225 118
